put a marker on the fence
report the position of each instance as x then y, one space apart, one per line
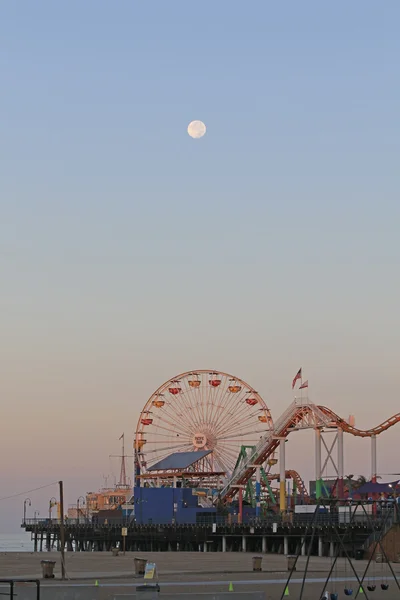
297 519
28 591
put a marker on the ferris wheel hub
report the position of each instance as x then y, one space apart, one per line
199 440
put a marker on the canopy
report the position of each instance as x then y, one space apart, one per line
378 488
179 460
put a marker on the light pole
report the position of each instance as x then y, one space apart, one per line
36 514
394 487
26 501
52 502
77 506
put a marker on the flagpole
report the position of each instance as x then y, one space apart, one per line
299 375
301 383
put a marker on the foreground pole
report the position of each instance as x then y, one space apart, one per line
282 475
373 459
258 491
340 488
62 530
318 490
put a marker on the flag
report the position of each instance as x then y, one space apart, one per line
303 385
298 376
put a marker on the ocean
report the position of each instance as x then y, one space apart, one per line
16 542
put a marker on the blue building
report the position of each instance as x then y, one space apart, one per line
170 505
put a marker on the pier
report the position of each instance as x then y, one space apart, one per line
276 534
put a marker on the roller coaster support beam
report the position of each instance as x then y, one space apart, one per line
318 474
340 487
282 475
241 504
258 490
373 469
373 459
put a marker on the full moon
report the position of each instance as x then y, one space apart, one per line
196 129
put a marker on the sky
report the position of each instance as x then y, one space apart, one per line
130 252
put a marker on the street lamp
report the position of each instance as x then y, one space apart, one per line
77 506
36 514
393 488
26 501
52 502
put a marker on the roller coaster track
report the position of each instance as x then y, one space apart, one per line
294 476
297 416
342 424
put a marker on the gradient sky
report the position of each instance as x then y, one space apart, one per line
130 253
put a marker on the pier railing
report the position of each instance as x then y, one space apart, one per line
372 522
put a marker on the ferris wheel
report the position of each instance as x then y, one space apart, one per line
201 411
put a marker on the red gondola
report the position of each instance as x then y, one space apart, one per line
147 421
174 390
215 382
251 401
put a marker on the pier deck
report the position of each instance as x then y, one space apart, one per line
274 536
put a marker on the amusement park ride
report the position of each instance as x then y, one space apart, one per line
226 423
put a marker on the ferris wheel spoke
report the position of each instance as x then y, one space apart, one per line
168 435
223 406
218 459
205 398
228 417
229 452
207 393
173 430
245 438
224 460
242 405
213 394
234 413
184 419
242 422
177 441
231 445
197 416
239 428
157 421
241 417
177 403
238 434
181 400
166 448
201 407
223 400
192 394
176 426
195 396
217 397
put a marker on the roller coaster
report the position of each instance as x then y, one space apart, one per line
300 415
